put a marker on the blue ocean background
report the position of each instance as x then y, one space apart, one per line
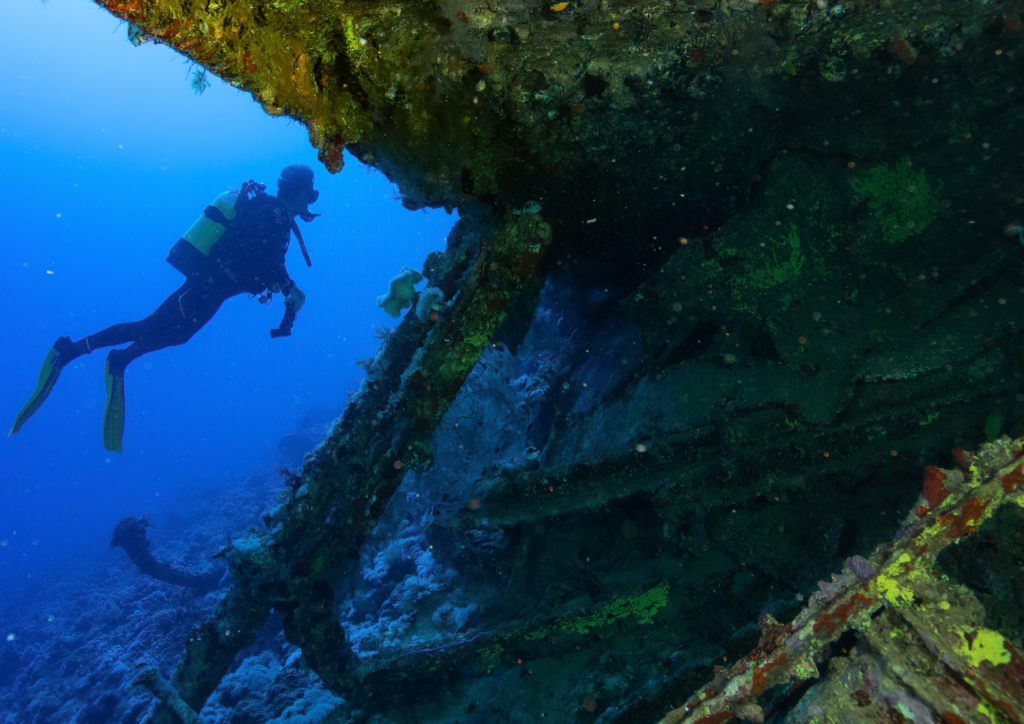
107 156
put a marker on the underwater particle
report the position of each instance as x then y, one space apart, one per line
615 26
894 453
398 464
481 87
589 703
473 504
641 448
816 316
851 164
11 637
683 240
677 307
801 340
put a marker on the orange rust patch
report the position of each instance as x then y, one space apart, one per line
960 455
949 717
831 620
967 520
247 65
172 29
933 490
129 9
716 718
903 50
761 674
1012 479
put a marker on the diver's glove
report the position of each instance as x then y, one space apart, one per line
294 298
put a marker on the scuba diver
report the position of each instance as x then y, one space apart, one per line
237 245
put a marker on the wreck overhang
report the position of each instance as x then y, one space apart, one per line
611 110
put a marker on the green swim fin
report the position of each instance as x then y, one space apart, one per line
48 375
113 410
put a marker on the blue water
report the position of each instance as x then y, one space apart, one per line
107 156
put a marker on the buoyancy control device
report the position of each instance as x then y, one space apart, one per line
192 254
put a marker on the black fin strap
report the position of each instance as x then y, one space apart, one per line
302 244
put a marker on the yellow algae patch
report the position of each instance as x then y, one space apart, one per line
351 38
303 79
984 645
892 590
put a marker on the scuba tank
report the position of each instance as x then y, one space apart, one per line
191 252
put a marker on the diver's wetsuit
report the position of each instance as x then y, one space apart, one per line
174 322
251 262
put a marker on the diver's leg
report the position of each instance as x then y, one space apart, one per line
193 308
65 350
163 317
